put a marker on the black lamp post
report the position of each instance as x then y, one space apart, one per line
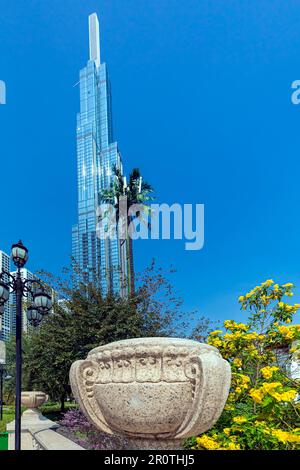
42 305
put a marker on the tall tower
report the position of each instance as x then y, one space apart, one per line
5 327
97 153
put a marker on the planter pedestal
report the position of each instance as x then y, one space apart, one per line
155 444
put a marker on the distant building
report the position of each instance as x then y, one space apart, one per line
5 326
26 275
63 304
283 357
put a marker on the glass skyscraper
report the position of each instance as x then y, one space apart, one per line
5 327
97 258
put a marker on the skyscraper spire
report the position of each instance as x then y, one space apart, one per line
94 32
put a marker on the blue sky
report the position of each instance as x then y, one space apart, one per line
202 104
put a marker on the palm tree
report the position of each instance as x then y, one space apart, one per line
137 191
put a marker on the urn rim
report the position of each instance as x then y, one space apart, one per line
155 341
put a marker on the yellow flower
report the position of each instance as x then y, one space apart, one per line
270 386
228 336
289 294
284 436
268 283
240 419
233 446
287 331
288 284
207 442
245 379
215 341
280 435
256 395
215 333
226 431
241 298
228 323
265 299
288 396
283 329
267 372
289 335
237 362
252 336
238 390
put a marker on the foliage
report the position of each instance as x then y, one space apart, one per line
138 191
10 385
261 411
160 308
81 431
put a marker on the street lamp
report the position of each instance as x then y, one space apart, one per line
34 317
42 305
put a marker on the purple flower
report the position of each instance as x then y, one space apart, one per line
81 431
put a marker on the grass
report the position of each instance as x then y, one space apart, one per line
8 416
50 410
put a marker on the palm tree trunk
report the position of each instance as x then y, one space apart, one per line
123 262
131 267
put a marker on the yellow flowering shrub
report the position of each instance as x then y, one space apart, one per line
262 411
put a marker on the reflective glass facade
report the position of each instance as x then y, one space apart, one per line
6 324
96 154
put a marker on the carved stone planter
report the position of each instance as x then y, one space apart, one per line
156 391
33 400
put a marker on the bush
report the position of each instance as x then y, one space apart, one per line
261 411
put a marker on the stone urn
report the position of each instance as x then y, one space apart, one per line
155 391
32 401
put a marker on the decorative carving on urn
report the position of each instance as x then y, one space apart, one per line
152 389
